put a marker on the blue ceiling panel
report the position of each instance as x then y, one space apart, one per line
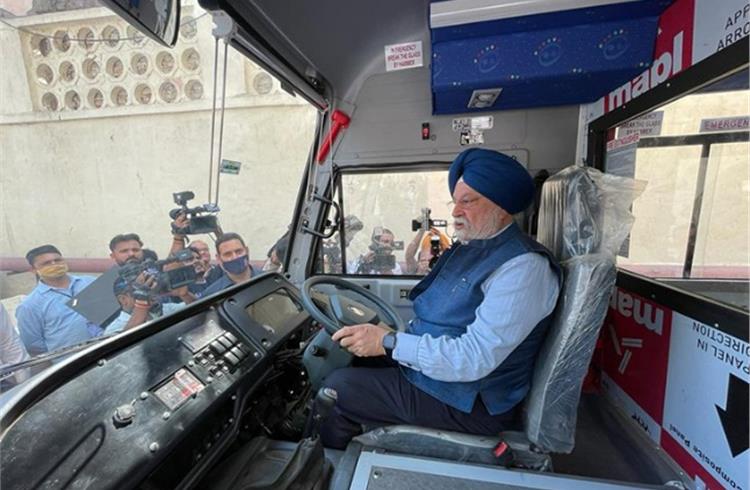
574 63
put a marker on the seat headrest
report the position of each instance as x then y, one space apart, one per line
585 211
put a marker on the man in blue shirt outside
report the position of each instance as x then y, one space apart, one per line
232 255
45 322
481 315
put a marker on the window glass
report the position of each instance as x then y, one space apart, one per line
384 214
691 227
722 106
659 236
720 250
99 127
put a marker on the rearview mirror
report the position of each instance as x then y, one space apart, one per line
158 19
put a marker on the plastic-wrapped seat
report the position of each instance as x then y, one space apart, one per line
584 218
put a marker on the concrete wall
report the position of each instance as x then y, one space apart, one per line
77 184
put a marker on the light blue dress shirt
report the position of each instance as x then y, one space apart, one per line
517 296
46 323
118 324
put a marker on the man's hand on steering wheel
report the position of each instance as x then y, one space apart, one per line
364 340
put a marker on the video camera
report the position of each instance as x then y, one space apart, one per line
202 219
425 222
166 280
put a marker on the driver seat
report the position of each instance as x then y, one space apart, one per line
573 224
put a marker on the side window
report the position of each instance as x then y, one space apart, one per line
386 227
691 227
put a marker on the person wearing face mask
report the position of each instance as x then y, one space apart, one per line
466 359
232 255
45 322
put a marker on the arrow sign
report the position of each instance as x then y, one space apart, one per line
735 417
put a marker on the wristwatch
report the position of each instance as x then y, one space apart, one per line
389 343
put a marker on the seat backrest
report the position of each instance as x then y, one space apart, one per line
584 218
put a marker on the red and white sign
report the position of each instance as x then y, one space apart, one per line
707 378
672 54
689 31
684 383
636 347
721 124
403 56
619 143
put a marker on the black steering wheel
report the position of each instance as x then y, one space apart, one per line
345 311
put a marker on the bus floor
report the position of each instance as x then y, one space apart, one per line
609 446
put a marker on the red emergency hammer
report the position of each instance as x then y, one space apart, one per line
339 120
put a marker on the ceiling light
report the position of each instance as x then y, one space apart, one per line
482 99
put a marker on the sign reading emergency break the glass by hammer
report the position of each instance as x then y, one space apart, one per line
403 56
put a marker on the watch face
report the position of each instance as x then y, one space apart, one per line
389 341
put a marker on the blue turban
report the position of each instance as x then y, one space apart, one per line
498 177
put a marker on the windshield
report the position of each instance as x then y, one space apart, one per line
123 198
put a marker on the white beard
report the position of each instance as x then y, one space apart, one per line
493 224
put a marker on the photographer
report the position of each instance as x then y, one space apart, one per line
213 271
139 302
380 259
427 248
126 248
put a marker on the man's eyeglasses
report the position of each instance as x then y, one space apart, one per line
464 202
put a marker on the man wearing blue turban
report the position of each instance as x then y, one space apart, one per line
481 315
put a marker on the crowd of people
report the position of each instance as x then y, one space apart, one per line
51 316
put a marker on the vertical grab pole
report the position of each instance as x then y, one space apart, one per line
224 29
213 123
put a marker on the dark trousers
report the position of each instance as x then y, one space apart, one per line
381 395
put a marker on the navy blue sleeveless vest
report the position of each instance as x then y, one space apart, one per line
444 304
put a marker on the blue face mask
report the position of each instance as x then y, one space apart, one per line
236 266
